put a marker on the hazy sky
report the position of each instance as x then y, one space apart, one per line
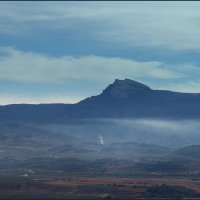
66 51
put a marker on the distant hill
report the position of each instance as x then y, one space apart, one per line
192 151
121 99
132 149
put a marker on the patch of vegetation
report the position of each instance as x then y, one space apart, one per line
166 191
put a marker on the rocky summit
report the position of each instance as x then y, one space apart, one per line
124 88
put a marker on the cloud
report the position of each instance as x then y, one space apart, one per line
167 25
9 99
17 65
187 86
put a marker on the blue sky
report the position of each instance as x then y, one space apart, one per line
66 51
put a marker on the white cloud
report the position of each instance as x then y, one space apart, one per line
33 67
186 86
169 25
9 99
17 65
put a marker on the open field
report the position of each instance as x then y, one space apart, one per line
74 187
121 187
126 182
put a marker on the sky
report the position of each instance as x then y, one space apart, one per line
63 52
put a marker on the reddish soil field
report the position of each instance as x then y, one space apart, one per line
74 182
129 187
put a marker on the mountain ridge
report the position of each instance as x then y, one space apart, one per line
121 99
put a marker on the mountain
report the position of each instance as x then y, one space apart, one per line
131 99
121 99
191 151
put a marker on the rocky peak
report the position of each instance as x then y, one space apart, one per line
123 88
